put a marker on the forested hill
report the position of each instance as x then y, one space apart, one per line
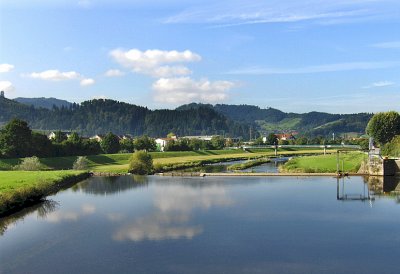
42 102
274 120
101 116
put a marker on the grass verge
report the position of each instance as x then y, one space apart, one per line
349 162
22 188
118 163
249 164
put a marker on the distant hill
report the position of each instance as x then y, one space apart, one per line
102 116
43 102
273 120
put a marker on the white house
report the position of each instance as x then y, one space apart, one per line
162 142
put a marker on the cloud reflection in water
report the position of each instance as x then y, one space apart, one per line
173 206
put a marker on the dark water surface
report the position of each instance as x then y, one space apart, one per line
208 225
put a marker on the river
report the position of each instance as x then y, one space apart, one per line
152 224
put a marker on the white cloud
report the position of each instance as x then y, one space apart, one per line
387 45
55 75
318 68
6 68
185 90
6 86
233 13
155 62
380 84
87 82
114 73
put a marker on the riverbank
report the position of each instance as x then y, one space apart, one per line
348 162
248 164
163 161
19 189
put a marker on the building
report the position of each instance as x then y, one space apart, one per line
201 137
97 137
65 134
161 143
285 136
2 94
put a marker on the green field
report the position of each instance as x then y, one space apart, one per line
16 187
118 163
349 162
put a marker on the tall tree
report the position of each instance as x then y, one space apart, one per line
110 143
145 143
15 139
383 126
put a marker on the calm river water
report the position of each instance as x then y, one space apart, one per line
208 225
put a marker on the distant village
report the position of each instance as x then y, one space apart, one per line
162 142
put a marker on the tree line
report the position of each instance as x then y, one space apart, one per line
103 116
18 140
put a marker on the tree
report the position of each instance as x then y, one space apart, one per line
141 163
383 126
81 163
59 136
41 146
145 143
15 139
271 139
30 164
110 143
126 145
218 142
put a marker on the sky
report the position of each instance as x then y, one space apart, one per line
339 56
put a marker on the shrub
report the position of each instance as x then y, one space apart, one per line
30 164
141 163
81 163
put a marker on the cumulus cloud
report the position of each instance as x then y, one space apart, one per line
114 73
87 82
6 86
6 68
185 90
155 62
55 75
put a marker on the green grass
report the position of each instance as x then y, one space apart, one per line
285 124
118 163
18 187
324 163
248 164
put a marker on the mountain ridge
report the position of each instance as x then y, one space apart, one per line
101 116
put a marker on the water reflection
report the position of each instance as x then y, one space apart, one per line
110 185
70 215
42 209
171 215
362 194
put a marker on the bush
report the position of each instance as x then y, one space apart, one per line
81 163
30 164
141 163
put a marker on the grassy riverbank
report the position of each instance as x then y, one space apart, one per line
324 163
248 164
21 188
118 163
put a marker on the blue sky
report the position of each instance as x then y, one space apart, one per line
339 56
